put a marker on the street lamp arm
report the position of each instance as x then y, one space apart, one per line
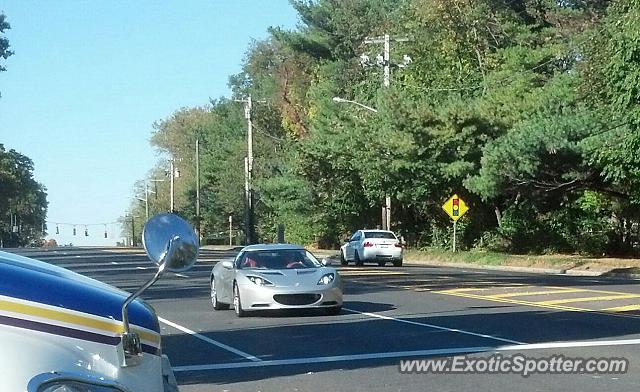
341 100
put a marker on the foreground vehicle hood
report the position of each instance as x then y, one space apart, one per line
65 296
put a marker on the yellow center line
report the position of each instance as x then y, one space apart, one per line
526 293
623 308
479 288
587 299
589 290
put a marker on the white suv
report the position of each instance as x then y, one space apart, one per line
372 245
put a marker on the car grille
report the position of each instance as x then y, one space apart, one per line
296 299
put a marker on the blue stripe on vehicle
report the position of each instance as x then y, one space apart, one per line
59 289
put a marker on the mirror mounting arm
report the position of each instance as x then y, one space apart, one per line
131 343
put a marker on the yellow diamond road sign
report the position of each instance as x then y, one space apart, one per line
455 207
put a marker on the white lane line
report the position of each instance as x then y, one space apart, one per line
182 275
588 343
434 326
114 262
337 358
403 354
210 341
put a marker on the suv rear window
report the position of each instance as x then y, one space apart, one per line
379 234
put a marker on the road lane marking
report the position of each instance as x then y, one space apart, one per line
575 344
210 341
336 358
536 304
588 299
464 289
527 293
461 331
623 308
403 354
594 291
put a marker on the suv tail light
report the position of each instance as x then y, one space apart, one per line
367 244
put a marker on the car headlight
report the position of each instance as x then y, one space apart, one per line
259 281
71 382
327 278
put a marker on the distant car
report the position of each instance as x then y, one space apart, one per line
275 276
378 246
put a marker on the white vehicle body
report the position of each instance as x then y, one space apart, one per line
56 324
380 246
59 325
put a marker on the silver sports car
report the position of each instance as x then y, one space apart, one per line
275 276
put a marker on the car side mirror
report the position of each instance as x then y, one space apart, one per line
326 261
172 245
227 264
170 242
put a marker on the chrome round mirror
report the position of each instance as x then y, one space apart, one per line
170 241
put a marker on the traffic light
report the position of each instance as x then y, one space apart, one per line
57 229
86 232
74 230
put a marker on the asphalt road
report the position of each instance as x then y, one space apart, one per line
389 314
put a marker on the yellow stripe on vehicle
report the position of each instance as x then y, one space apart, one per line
61 316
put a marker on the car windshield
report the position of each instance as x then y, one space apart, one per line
278 259
379 234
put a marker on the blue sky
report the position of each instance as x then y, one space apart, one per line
89 78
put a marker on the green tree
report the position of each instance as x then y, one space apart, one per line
23 201
4 42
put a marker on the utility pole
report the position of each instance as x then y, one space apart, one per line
249 170
171 186
198 188
230 230
384 60
146 199
248 173
133 231
247 203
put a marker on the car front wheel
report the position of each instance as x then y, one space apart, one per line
217 305
237 303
